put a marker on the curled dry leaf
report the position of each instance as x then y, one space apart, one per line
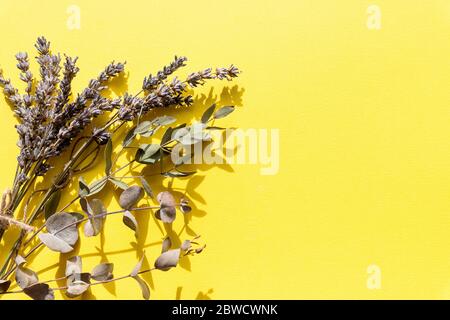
73 266
138 266
130 221
186 245
200 249
39 291
77 288
4 285
184 206
168 259
103 272
146 186
166 244
54 243
77 284
130 197
144 287
63 225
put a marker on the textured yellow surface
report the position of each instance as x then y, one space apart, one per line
363 116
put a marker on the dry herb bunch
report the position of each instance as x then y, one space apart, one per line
51 120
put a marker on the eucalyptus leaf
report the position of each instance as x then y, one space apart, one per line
63 226
208 113
142 127
186 245
119 183
146 186
166 244
83 187
129 137
147 153
167 136
103 272
97 212
167 213
77 288
97 186
223 112
73 266
52 203
54 243
130 221
4 285
108 156
138 266
144 287
131 197
168 259
164 120
25 277
40 291
178 174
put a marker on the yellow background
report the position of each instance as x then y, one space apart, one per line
364 142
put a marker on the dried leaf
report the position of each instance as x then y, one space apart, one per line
164 120
208 113
184 207
76 289
103 272
83 187
138 266
93 226
122 185
67 224
144 287
40 291
167 213
129 137
142 127
146 186
147 153
223 112
186 245
166 244
54 243
52 203
73 266
166 137
178 174
168 259
199 250
97 186
131 197
24 277
4 285
130 221
108 155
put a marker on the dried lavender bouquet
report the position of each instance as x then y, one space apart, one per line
51 122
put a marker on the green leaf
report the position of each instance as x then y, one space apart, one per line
178 174
129 137
147 153
223 112
52 204
122 185
143 127
146 186
83 187
108 155
208 113
167 136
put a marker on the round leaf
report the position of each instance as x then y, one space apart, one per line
130 197
103 272
54 243
40 291
130 221
65 222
